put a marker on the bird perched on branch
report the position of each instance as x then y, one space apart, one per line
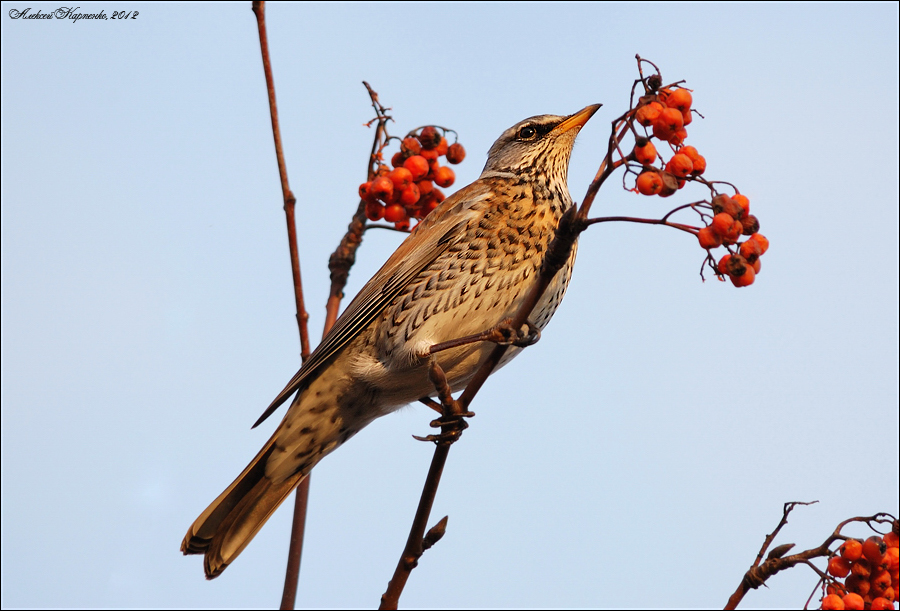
463 270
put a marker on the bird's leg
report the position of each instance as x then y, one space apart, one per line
451 422
503 334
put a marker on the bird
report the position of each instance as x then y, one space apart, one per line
462 270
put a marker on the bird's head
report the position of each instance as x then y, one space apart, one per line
538 147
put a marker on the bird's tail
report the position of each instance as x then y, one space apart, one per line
233 519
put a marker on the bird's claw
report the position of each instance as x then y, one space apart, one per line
527 335
452 427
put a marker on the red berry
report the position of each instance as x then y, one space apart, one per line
649 183
374 210
444 176
646 153
873 549
382 188
394 213
455 153
429 137
411 146
401 177
680 165
708 238
409 196
418 166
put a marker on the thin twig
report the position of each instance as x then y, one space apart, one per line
292 571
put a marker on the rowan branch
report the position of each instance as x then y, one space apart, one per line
777 561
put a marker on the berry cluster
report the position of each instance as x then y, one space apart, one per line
869 571
732 219
664 113
408 191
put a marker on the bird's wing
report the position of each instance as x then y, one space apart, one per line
431 237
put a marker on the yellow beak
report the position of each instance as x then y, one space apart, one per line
578 119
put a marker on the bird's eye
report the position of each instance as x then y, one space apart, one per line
527 133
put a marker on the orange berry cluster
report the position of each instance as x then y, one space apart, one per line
869 571
666 114
408 191
731 220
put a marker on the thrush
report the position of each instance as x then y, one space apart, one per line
464 269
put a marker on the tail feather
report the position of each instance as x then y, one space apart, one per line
233 519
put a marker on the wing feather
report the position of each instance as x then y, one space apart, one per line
428 241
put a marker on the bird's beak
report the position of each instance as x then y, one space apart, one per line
578 119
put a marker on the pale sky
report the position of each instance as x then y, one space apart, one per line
635 457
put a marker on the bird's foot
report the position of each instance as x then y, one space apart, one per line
505 335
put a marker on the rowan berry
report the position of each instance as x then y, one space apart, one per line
644 153
750 250
398 159
832 602
891 540
858 584
838 566
410 146
646 115
444 176
442 147
430 154
425 187
745 279
365 190
699 165
680 165
374 210
409 196
708 238
401 177
667 123
764 244
723 203
861 568
680 99
853 601
417 165
873 549
749 225
688 117
881 581
892 554
382 188
649 183
402 225
429 137
723 264
851 549
881 604
722 223
394 213
455 153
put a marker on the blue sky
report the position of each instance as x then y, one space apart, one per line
637 456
